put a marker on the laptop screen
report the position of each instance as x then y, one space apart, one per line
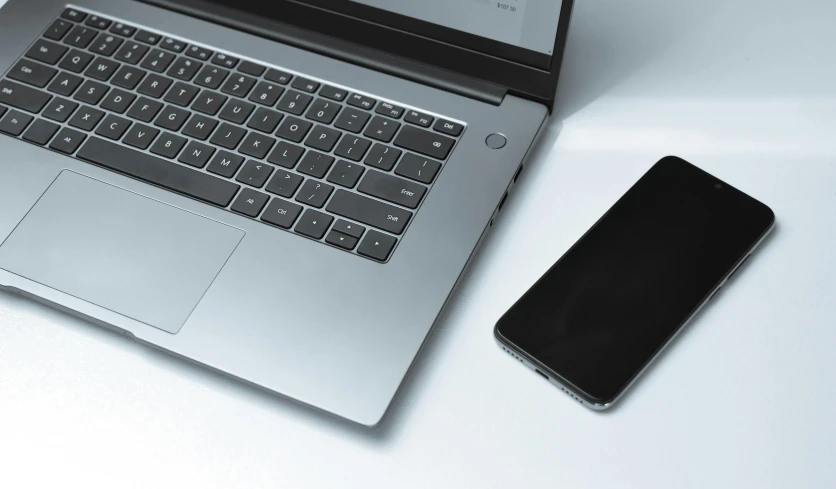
529 24
523 31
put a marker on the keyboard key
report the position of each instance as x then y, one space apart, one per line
157 61
225 164
145 109
122 29
382 129
68 140
281 213
132 52
352 147
254 173
382 157
293 129
323 111
46 51
113 127
181 94
58 29
14 123
314 193
361 101
106 44
140 136
158 171
313 224
349 228
172 118
86 118
59 109
184 69
251 68
238 85
266 93
98 22
224 60
305 85
102 69
424 142
294 102
80 36
154 85
118 101
265 120
418 168
369 211
377 245
323 138
32 73
147 37
389 110
173 45
341 240
128 77
228 136
65 84
256 145
168 145
196 154
392 189
211 76
199 127
315 164
352 120
2 111
22 97
200 53
345 174
447 127
284 183
278 76
333 93
249 202
285 154
418 118
73 14
209 102
236 111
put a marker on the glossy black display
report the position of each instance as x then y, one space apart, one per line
601 313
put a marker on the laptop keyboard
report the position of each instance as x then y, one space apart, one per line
325 162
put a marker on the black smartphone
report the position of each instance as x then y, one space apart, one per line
610 305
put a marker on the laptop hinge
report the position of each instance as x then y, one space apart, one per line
337 48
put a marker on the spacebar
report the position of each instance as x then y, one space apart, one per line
158 171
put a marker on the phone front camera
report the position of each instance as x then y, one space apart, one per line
718 186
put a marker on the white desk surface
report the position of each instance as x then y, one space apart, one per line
745 397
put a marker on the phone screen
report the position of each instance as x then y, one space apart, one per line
602 312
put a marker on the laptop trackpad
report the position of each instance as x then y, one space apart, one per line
119 250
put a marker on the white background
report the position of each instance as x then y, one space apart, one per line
745 397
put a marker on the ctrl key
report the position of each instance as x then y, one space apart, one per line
281 213
377 245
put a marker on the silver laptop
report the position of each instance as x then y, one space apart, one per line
286 192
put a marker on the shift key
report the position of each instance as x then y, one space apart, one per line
22 97
369 211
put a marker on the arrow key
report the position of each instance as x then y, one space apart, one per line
313 224
377 245
341 240
349 228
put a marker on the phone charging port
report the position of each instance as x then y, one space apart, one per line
541 374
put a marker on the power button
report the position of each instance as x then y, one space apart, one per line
496 141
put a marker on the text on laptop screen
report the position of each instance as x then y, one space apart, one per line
529 24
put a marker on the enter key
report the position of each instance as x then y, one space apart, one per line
392 189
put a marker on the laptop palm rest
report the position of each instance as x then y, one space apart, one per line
119 250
